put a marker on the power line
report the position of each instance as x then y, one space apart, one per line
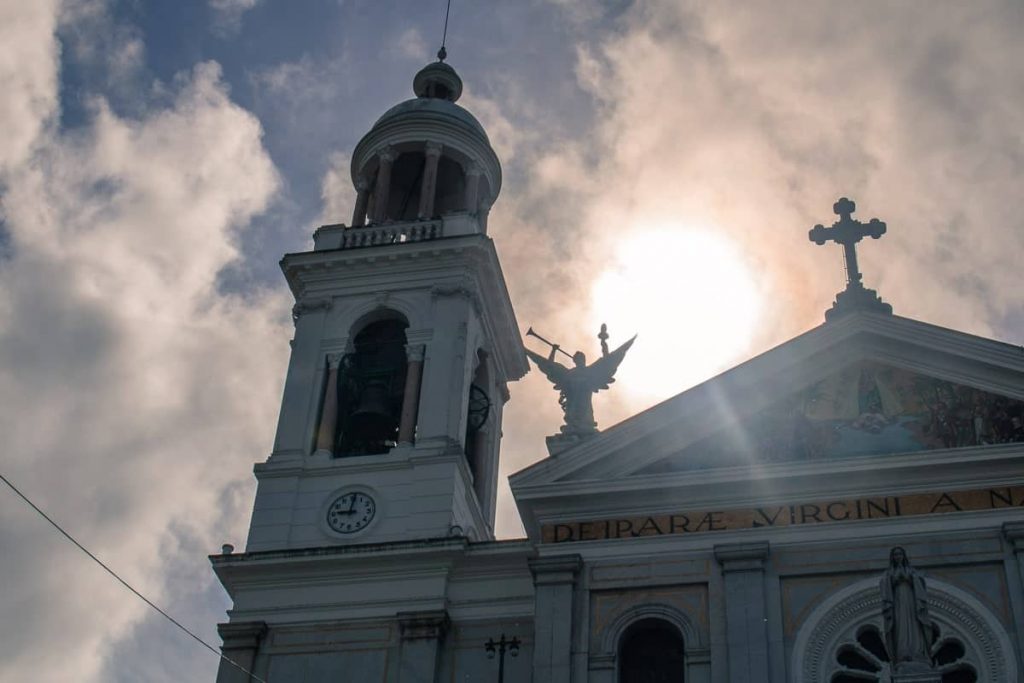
124 583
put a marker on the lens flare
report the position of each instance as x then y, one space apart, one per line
691 298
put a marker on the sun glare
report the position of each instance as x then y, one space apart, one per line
691 299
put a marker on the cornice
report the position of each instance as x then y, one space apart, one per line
769 485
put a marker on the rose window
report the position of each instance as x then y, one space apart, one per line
866 659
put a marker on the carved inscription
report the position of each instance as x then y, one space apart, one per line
790 514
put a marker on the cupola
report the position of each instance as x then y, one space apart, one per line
427 159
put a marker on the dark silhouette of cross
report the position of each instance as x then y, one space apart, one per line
847 232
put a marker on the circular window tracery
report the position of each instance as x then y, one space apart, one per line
865 658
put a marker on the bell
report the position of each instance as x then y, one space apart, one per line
373 419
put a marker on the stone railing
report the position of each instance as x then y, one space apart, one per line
340 237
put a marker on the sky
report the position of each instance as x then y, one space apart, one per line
663 161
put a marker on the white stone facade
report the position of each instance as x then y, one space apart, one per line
764 570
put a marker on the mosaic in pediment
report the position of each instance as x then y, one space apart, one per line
865 409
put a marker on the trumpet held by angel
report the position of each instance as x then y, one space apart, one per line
578 384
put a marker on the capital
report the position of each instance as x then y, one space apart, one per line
362 184
241 635
433 149
387 154
474 169
334 360
414 352
303 307
738 557
429 625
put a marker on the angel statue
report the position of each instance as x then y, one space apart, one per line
578 384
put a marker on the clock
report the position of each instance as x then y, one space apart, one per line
351 512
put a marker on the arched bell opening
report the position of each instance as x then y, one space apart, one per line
406 186
478 412
371 386
651 651
451 187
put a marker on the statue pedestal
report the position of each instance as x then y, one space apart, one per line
560 442
916 674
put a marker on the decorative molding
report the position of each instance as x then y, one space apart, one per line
673 615
1014 534
441 291
302 307
740 557
242 635
414 352
430 625
557 570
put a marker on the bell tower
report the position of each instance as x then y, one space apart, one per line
405 341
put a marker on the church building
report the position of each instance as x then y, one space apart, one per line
844 508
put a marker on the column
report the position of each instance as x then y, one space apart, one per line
473 187
745 610
422 634
362 197
485 211
428 190
386 158
241 641
554 580
411 397
329 412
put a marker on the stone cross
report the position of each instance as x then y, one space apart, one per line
847 232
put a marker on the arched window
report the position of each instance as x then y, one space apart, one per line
370 389
406 183
451 187
651 651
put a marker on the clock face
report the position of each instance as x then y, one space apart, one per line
351 512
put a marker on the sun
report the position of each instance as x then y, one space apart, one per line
689 296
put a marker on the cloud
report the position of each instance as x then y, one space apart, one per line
747 124
411 44
336 190
136 395
28 72
228 14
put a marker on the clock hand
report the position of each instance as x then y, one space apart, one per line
351 506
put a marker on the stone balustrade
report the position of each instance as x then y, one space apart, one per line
342 237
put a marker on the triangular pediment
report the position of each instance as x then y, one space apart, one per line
863 386
867 408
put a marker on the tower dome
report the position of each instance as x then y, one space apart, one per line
426 159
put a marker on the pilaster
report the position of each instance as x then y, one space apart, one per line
745 610
422 634
305 373
554 580
241 642
1013 532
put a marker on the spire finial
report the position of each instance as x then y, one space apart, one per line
847 231
443 53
